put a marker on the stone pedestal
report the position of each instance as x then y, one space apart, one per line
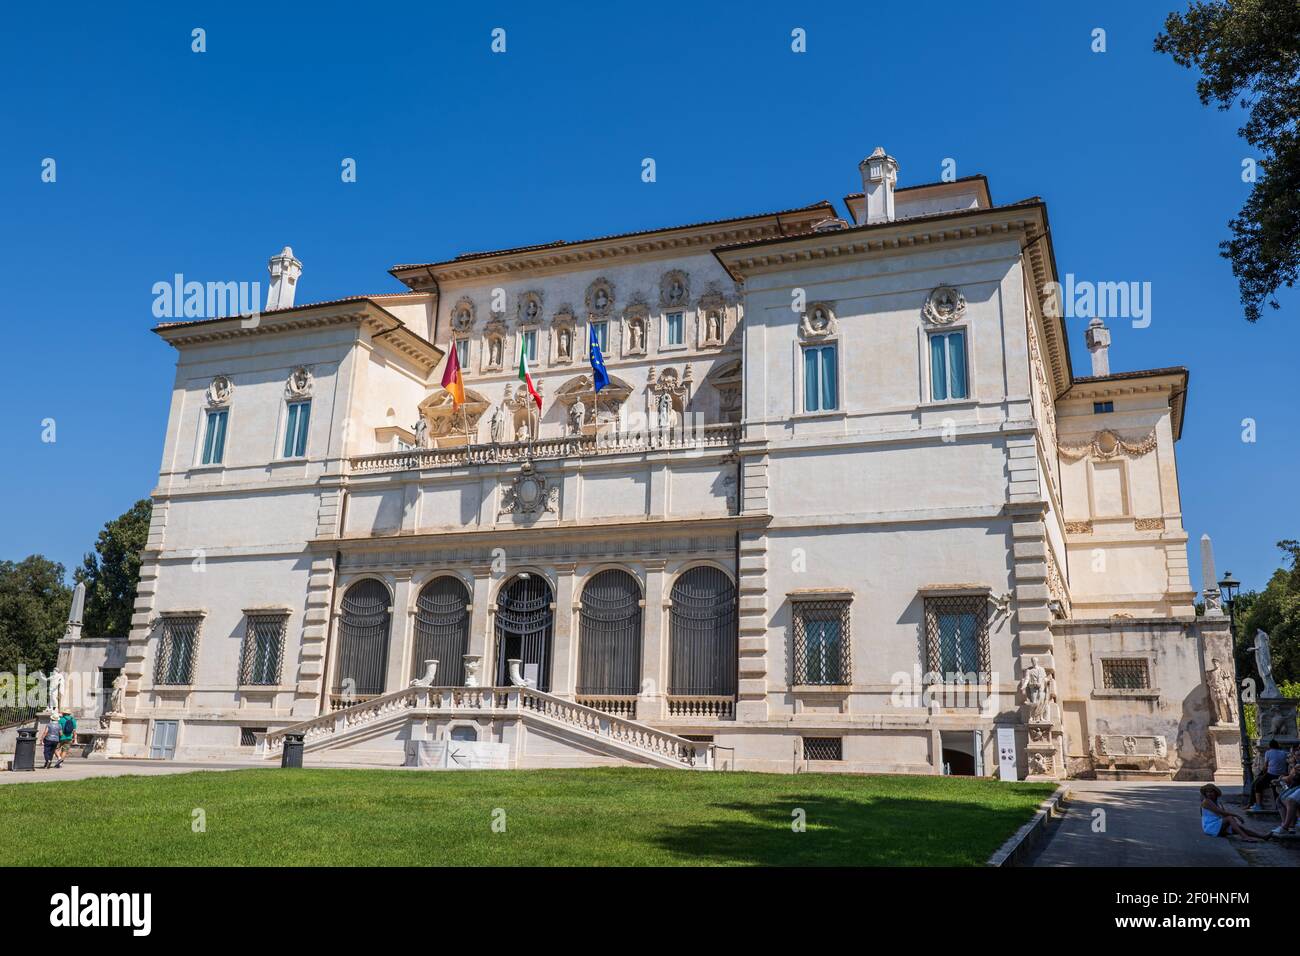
1225 740
1276 717
1042 752
107 741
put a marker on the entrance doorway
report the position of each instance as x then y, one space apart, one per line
523 629
164 740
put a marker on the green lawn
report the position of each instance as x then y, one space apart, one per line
552 817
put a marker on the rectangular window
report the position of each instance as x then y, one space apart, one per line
248 735
1102 408
820 385
948 366
674 328
528 341
259 661
177 648
1125 675
214 437
295 430
602 335
821 642
462 353
823 748
957 639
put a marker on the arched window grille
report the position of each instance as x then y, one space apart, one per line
442 629
363 638
702 637
609 646
523 628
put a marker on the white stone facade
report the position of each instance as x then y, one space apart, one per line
1016 522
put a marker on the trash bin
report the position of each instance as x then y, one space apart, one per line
25 749
292 756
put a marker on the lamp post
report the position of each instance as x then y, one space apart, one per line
1228 588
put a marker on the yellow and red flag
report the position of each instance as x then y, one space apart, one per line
452 380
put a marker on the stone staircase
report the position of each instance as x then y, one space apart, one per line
609 737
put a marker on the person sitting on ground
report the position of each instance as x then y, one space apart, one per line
1216 821
1288 802
1275 766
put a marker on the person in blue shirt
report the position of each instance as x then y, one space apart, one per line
1218 822
1275 766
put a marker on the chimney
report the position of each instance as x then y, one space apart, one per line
285 270
1097 337
879 173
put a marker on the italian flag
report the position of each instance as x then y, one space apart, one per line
526 377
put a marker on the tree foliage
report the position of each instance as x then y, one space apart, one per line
1275 611
112 573
1248 52
34 603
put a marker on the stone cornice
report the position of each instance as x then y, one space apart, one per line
1171 381
387 331
681 240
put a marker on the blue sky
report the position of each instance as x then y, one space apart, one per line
206 164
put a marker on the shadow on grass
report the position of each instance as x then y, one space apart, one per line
884 831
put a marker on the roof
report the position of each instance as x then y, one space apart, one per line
383 325
295 308
1177 400
822 205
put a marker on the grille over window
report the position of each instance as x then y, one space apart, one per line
823 748
821 643
1132 674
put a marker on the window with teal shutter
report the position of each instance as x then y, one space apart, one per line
675 328
602 335
295 430
462 352
214 438
820 379
948 366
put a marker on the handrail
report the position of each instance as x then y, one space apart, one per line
497 700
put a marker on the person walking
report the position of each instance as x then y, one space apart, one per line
50 742
67 733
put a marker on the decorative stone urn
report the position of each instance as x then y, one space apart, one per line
427 678
516 672
473 664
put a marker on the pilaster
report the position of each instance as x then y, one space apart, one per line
652 703
752 618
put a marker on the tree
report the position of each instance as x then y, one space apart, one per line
112 574
1275 611
34 603
1250 49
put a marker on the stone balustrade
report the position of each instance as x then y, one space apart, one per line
606 442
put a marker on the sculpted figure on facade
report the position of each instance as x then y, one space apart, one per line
118 695
422 433
495 424
1222 694
577 416
1036 686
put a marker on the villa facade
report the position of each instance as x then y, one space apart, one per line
844 505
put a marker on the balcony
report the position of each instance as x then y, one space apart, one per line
720 437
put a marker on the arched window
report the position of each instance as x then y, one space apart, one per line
703 634
442 629
523 628
609 646
363 638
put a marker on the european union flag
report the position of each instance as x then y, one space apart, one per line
598 374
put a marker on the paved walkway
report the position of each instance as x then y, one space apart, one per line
81 769
1149 824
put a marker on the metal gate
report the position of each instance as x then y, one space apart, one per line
442 629
609 647
702 636
363 638
523 628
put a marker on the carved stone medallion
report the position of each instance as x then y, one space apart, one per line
220 390
530 493
944 306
